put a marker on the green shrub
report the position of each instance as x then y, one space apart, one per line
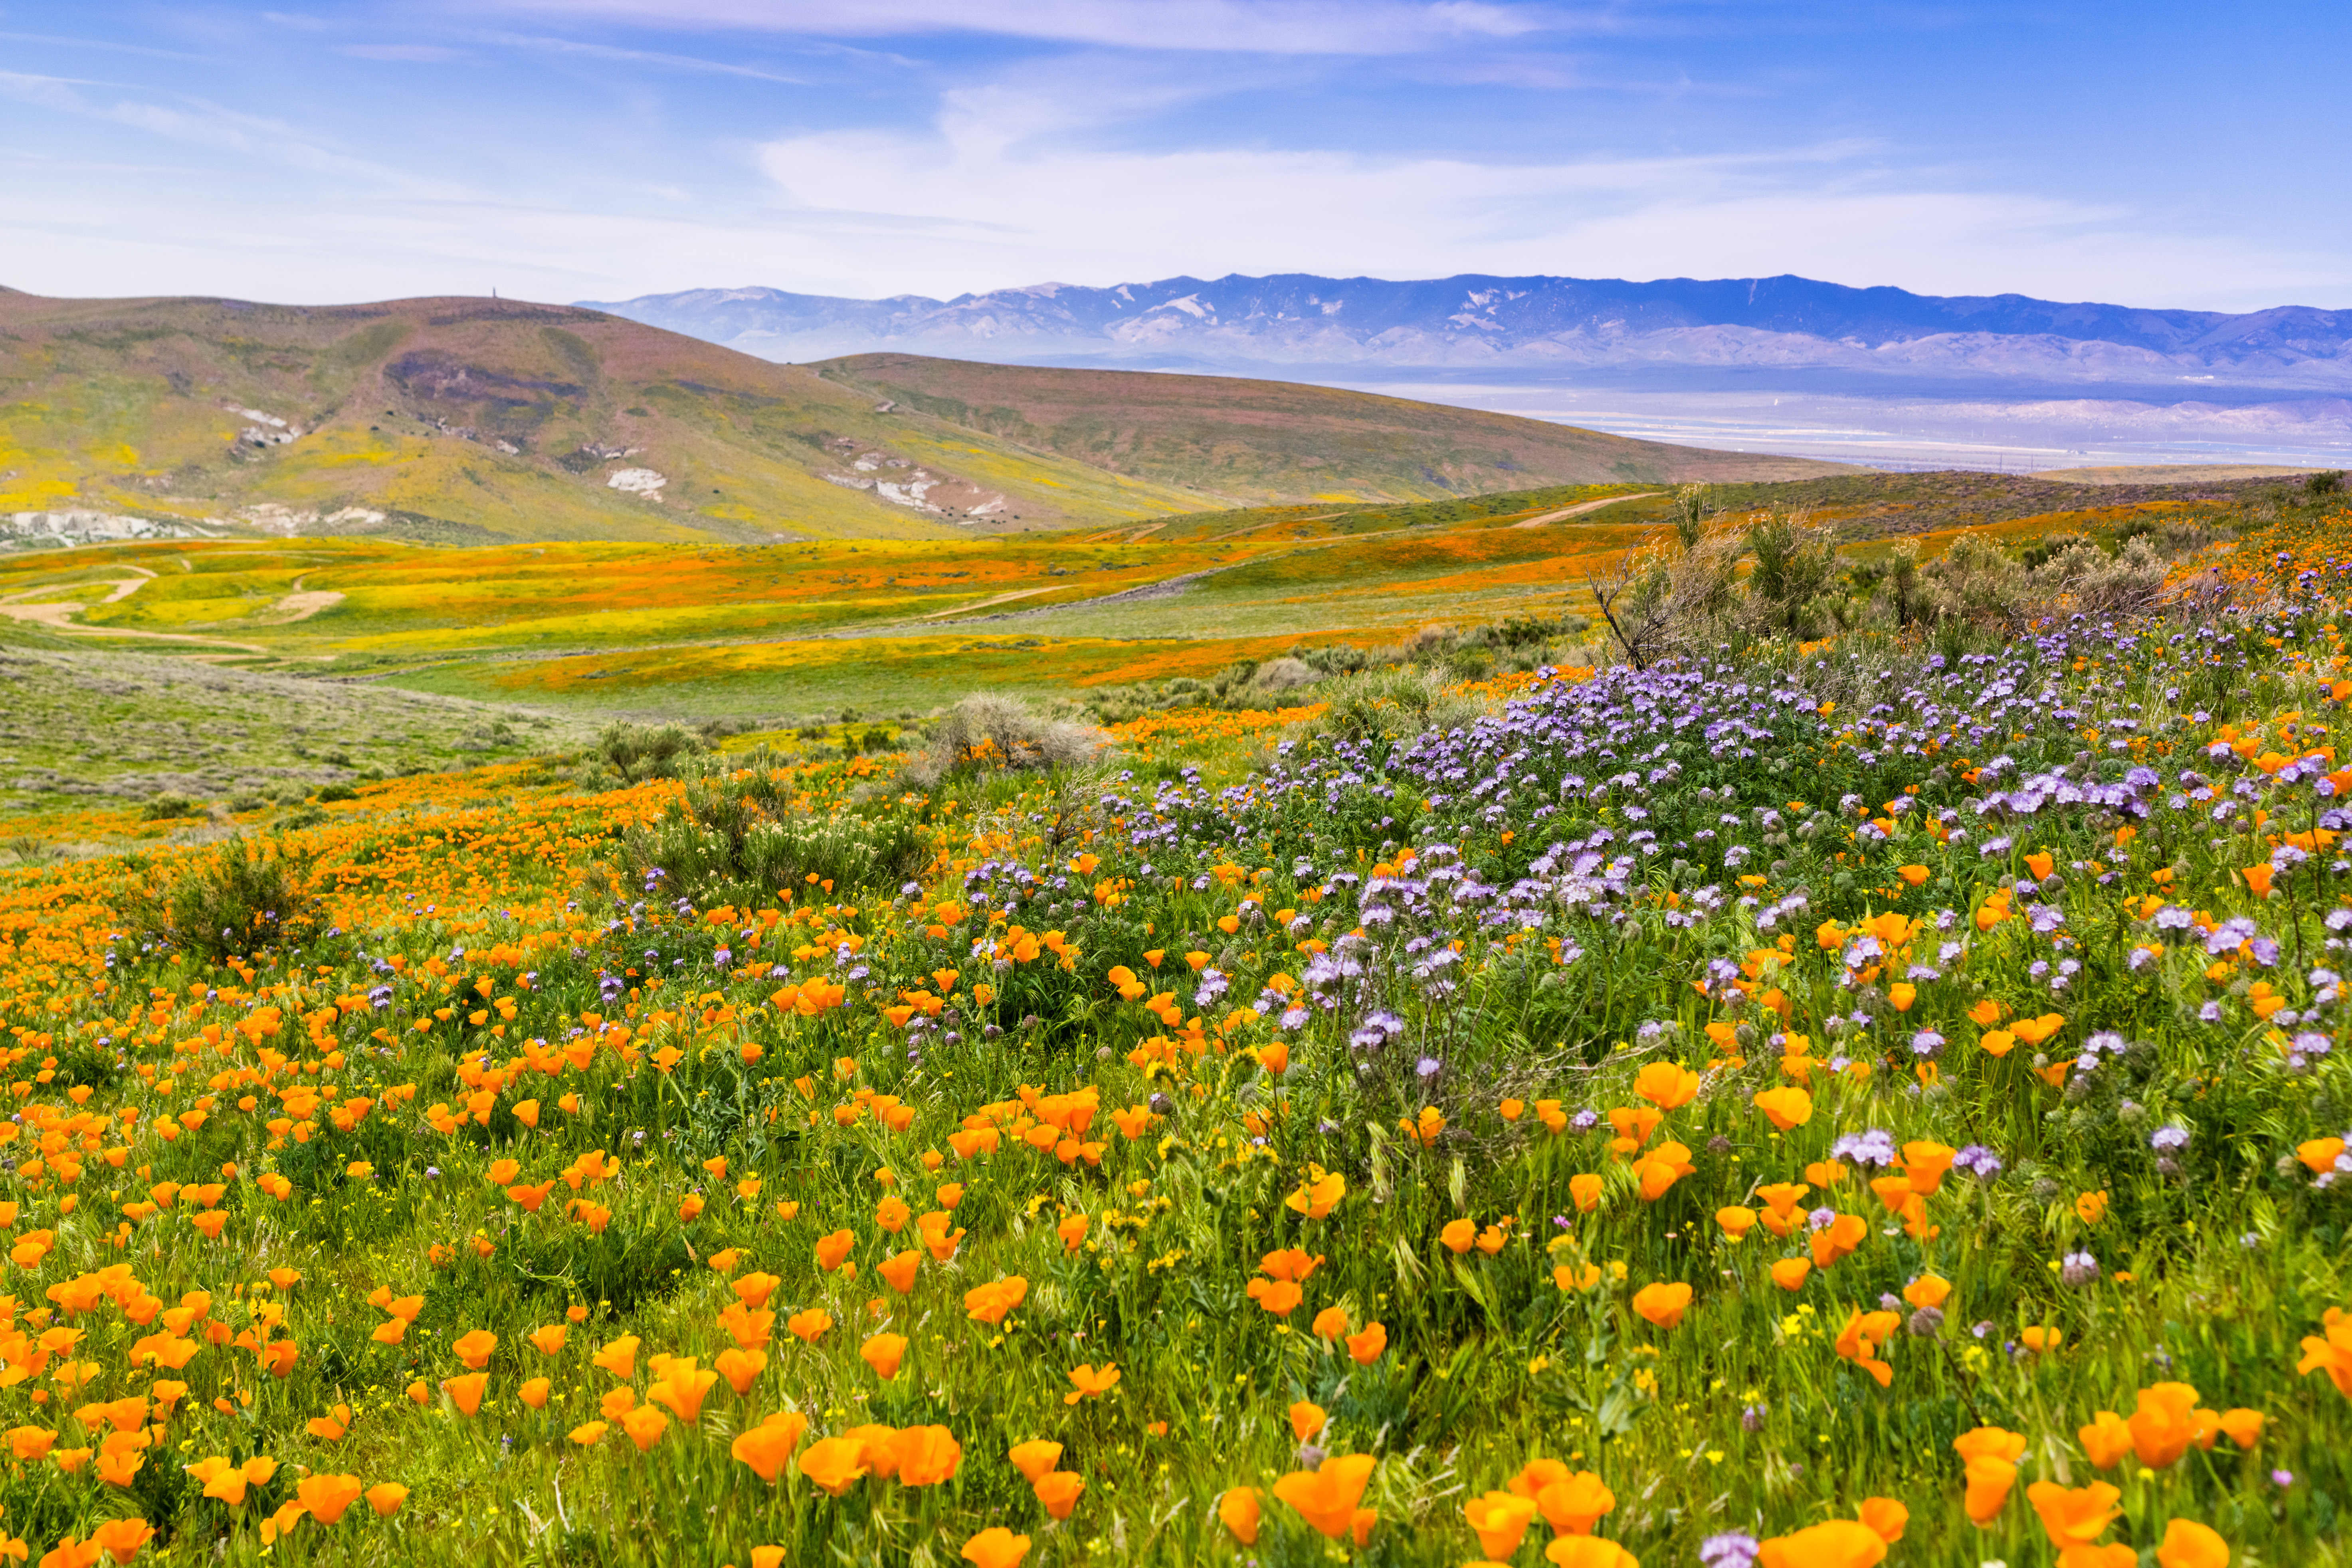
1396 703
734 839
986 733
642 751
166 807
241 899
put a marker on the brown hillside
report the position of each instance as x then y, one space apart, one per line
476 420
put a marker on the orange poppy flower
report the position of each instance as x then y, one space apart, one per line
1667 1085
1500 1521
466 1393
1662 1303
682 1388
1059 1490
619 1358
898 1271
925 1455
988 1304
326 1496
2164 1424
645 1426
883 1352
1573 1504
833 1464
740 1367
1239 1513
767 1447
1886 1516
1835 1544
1086 1382
1035 1458
2074 1516
2106 1440
2189 1544
122 1539
1327 1497
2331 1355
995 1547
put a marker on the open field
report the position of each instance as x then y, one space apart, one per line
1819 1099
803 629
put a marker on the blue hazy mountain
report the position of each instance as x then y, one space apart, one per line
1680 331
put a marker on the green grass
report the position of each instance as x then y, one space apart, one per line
113 731
489 962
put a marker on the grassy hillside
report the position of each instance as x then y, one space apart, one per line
476 421
1272 441
463 421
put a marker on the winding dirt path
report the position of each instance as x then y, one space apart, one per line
1582 506
53 613
976 603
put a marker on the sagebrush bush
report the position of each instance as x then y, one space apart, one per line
642 751
1392 704
244 898
736 836
1975 580
2100 584
989 732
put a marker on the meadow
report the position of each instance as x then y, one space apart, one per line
1865 1095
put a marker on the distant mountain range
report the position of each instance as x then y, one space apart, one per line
1680 332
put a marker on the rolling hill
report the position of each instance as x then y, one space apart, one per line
487 421
480 421
1260 442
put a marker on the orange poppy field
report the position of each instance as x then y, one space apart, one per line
1876 1099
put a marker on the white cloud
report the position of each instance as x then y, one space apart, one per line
638 56
1016 183
1265 27
402 54
198 122
974 207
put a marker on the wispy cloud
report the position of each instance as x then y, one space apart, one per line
638 56
109 46
403 54
1268 26
925 212
199 122
605 148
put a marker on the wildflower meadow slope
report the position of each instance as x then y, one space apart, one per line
1877 1101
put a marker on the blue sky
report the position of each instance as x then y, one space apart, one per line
2154 154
